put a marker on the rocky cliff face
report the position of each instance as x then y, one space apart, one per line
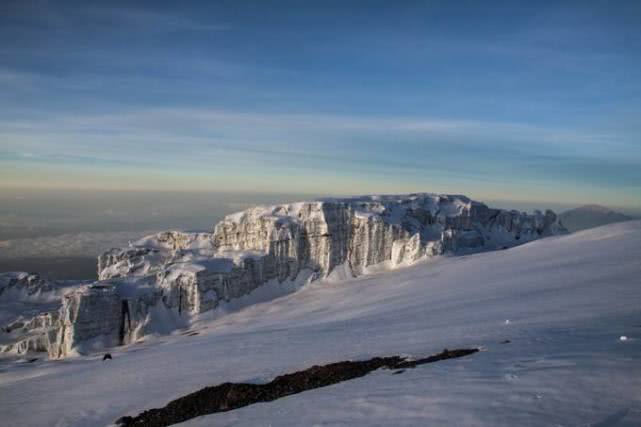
190 273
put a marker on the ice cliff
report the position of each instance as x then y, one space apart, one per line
168 278
30 312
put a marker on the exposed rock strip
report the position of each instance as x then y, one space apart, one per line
230 396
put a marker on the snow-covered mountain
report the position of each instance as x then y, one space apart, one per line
549 317
164 281
590 216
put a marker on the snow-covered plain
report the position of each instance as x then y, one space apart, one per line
562 302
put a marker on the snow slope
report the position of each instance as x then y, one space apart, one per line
568 299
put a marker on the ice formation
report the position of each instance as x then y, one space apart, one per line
164 280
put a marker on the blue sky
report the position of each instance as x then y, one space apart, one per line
529 101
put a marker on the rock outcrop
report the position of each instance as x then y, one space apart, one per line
186 274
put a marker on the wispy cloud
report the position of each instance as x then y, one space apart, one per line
146 20
66 17
294 130
240 144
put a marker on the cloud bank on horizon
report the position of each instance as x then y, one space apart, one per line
500 101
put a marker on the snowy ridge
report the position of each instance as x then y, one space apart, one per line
176 277
590 216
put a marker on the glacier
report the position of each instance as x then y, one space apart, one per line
167 280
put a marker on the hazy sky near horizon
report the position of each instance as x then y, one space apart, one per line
514 100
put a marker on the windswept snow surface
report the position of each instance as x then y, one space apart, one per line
562 302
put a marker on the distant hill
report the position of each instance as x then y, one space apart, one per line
590 216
